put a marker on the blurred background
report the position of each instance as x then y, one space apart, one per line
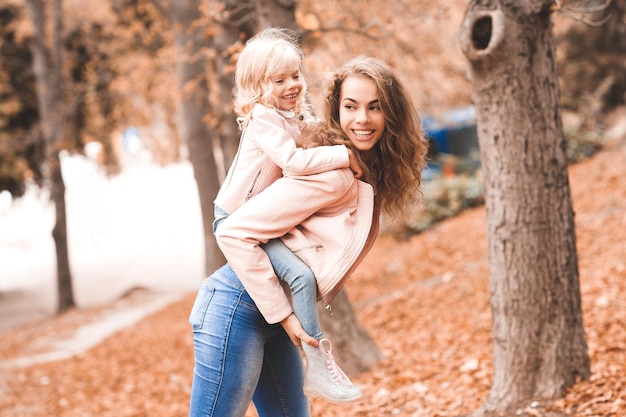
125 131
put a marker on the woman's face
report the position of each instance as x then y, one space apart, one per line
360 115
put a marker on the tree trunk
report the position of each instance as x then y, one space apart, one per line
538 335
47 64
236 25
239 22
59 233
277 13
610 36
191 64
353 347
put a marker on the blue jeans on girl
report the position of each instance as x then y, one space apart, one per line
240 358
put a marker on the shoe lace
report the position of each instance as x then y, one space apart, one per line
335 371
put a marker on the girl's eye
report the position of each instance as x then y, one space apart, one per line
375 108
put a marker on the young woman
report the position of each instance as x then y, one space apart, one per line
330 219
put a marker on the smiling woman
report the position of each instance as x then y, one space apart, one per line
361 117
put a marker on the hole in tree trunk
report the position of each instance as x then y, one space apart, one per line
481 32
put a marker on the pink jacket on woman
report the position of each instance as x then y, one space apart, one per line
328 219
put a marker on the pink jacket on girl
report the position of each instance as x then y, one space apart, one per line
328 219
267 149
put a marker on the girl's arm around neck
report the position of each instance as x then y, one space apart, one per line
269 131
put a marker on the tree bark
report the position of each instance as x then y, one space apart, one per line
611 35
47 66
237 24
353 347
276 13
538 335
239 21
194 109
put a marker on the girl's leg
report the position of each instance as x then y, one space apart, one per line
219 216
300 278
228 347
323 376
280 383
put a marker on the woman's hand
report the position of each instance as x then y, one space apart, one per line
296 333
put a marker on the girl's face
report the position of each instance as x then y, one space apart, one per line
360 115
287 88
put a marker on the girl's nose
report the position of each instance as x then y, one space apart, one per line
291 82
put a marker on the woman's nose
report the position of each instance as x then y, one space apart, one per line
362 116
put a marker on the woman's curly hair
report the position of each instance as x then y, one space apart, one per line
394 166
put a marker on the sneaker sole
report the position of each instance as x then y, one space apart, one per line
332 399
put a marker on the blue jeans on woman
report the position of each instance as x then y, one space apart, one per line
291 269
240 358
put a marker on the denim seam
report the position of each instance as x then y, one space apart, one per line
240 287
219 388
203 309
283 403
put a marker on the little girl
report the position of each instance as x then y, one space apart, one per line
270 93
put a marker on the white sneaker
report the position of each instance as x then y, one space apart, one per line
325 379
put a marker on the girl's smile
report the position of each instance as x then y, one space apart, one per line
287 87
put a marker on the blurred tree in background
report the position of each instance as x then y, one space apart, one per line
21 150
47 63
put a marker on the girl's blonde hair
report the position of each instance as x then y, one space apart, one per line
394 166
271 51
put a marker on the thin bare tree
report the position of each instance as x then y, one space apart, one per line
194 109
47 65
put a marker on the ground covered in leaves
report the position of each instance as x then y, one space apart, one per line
424 300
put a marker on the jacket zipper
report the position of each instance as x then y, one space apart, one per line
254 181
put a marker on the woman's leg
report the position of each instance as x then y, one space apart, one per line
229 335
280 383
289 268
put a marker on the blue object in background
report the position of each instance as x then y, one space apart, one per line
436 133
454 132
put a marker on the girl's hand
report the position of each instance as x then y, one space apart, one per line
354 164
296 333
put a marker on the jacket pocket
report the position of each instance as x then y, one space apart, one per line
306 249
308 253
200 306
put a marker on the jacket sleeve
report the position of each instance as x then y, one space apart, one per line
268 215
268 131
